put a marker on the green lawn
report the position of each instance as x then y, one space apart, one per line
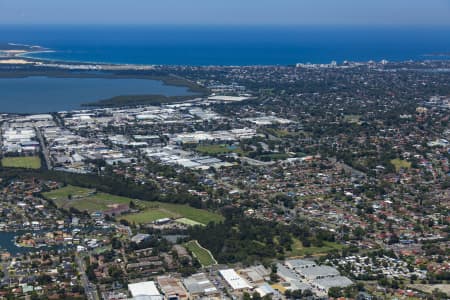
86 199
218 149
195 214
188 222
26 162
147 216
65 192
158 210
400 164
281 133
299 250
203 256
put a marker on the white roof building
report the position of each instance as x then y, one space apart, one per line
145 289
329 282
300 264
227 98
234 280
198 284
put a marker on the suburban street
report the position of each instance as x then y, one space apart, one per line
91 293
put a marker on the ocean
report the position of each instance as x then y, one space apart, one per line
231 45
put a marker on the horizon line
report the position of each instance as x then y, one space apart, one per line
358 25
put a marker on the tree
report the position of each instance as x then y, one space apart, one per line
116 243
335 292
359 233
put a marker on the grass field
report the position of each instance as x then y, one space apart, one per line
147 216
68 191
188 222
400 164
281 133
218 149
26 162
84 199
299 250
198 215
88 200
203 255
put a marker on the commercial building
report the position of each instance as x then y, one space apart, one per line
325 284
235 281
318 272
296 264
292 279
145 290
172 288
199 286
256 274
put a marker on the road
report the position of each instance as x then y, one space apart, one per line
5 269
45 152
90 291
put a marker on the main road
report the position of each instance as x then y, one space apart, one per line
90 291
44 149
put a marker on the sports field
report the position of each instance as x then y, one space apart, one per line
215 149
189 222
25 162
91 201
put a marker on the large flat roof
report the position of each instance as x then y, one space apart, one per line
146 288
319 271
300 263
338 281
228 98
234 280
199 283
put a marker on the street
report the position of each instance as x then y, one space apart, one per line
91 292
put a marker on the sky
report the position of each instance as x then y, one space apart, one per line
230 12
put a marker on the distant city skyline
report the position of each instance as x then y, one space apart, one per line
230 12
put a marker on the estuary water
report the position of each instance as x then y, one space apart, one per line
52 94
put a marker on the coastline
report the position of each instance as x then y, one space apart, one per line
81 62
30 55
26 55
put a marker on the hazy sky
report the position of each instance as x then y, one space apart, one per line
364 12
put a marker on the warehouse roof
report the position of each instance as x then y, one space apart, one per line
300 263
319 271
198 284
337 281
146 288
234 280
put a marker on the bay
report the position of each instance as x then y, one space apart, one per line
52 94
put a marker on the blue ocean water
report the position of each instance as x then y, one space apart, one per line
232 45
